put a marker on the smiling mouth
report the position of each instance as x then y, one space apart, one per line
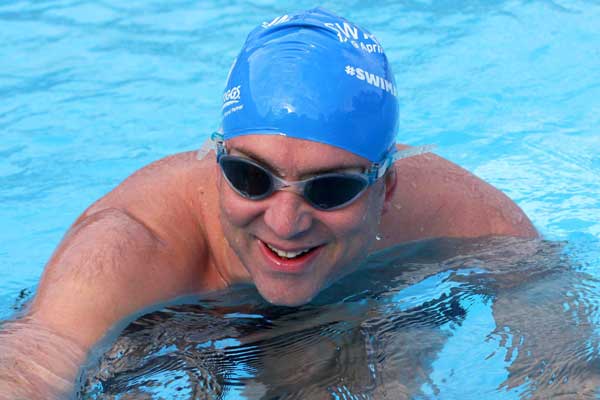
289 262
289 255
286 254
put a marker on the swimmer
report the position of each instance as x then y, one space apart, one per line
302 181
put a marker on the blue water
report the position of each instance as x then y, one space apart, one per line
90 91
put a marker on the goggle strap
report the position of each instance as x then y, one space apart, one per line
411 152
212 143
400 154
203 151
215 142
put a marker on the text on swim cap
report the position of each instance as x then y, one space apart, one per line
233 109
371 79
347 32
231 96
344 31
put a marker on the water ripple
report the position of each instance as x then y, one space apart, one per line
523 299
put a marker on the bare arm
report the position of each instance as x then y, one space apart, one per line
109 265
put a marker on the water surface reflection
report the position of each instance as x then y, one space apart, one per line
497 317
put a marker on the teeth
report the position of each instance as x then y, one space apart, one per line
286 254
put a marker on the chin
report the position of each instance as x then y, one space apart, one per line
287 302
287 295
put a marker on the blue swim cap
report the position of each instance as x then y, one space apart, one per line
315 76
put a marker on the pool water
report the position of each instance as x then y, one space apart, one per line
91 91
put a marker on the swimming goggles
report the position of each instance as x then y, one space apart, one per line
325 192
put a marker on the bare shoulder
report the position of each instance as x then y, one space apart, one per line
437 198
168 196
142 243
169 177
174 200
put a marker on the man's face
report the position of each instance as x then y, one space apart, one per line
267 235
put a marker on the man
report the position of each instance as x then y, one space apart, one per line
305 182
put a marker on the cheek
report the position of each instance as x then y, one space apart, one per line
235 210
360 220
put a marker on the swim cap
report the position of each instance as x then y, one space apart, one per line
315 76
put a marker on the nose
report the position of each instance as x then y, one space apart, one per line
288 215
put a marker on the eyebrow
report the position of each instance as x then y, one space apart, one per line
318 171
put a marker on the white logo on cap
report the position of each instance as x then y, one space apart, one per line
231 96
276 21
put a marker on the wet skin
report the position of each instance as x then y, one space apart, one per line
175 227
342 237
404 205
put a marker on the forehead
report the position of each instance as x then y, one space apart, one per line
285 153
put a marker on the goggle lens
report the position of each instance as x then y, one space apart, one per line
333 191
325 192
247 179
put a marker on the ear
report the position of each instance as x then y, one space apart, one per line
390 181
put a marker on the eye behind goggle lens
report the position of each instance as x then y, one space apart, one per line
248 179
328 192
